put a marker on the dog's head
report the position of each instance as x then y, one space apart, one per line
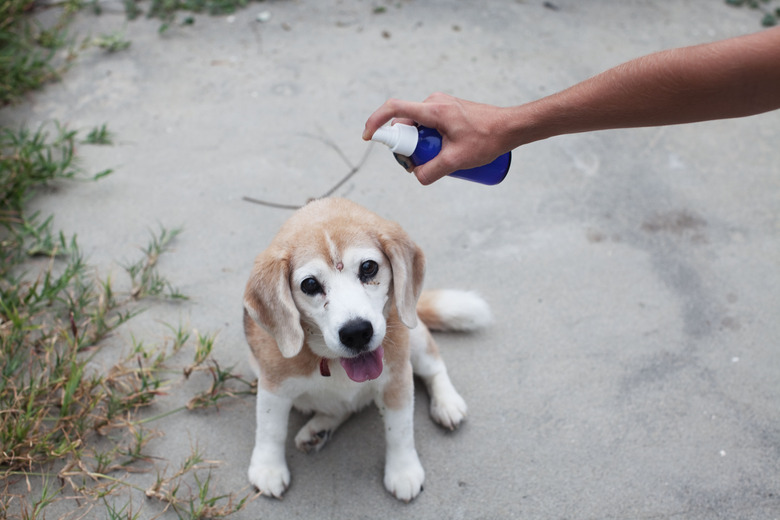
331 278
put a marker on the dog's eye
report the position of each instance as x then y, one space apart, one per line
368 270
311 286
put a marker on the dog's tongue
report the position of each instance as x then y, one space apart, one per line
364 367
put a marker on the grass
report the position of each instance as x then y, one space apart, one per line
27 49
69 432
28 159
769 9
110 43
99 135
65 427
166 10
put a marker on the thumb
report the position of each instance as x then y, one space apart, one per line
429 172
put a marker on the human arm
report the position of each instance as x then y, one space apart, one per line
730 78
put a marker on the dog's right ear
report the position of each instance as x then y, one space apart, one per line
269 301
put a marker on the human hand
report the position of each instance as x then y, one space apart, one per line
473 134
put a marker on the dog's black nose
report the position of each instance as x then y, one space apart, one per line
356 334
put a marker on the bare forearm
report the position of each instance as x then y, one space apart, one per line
732 78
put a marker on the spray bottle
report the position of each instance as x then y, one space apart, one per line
416 145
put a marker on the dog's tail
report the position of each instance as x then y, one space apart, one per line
453 310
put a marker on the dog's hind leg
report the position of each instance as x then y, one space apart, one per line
447 406
318 430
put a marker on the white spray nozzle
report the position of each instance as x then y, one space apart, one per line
402 139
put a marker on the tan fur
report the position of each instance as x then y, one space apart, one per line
276 368
431 347
399 388
426 310
307 303
269 302
307 234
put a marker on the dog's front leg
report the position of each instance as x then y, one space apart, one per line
404 474
268 467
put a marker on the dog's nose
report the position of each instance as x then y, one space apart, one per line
356 334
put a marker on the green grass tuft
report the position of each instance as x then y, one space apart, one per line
769 9
63 421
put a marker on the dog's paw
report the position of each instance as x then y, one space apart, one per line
270 479
317 432
448 409
404 477
309 440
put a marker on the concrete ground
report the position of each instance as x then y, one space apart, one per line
632 370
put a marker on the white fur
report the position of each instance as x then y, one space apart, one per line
462 311
333 400
346 297
268 468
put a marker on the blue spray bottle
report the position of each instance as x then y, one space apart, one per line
416 145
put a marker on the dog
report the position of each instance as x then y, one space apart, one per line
331 317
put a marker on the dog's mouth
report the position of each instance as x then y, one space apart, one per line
364 367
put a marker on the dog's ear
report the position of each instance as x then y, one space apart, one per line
408 264
269 301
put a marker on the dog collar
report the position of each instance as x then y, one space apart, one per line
324 368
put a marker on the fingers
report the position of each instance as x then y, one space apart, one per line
390 109
426 176
403 121
430 113
407 112
433 170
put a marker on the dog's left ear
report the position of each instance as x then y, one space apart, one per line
408 264
269 301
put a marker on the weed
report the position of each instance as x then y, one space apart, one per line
47 496
197 503
219 387
27 50
124 513
165 10
63 423
204 347
132 11
62 420
770 14
29 159
114 42
180 337
99 135
143 273
50 399
219 377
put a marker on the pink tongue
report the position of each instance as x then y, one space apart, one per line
364 367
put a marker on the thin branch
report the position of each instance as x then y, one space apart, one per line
353 169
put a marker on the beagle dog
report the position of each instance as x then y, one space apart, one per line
336 318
